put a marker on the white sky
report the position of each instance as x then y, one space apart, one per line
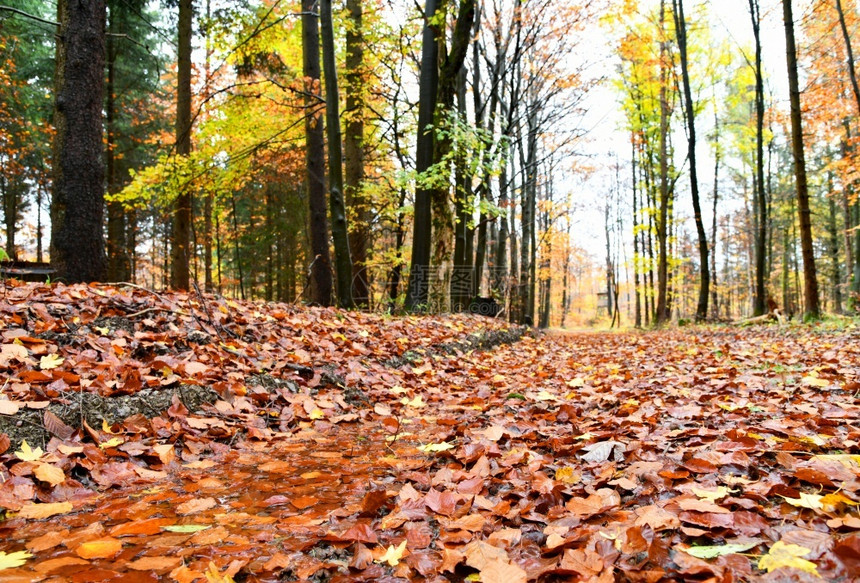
729 19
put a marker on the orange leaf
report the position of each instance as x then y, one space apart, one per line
155 563
195 505
103 548
38 511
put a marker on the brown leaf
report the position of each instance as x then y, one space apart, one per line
56 426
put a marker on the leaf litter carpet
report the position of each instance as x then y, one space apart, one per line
320 445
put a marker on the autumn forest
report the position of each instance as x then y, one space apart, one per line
369 154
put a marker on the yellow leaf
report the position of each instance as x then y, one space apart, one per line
416 403
398 390
811 501
783 555
26 454
37 511
112 442
811 381
833 502
577 382
317 414
50 361
213 575
546 396
51 474
15 559
436 447
393 555
567 475
711 495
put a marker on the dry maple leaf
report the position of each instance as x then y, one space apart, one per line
392 554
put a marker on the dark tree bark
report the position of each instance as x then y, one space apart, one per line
321 278
77 208
810 279
339 227
419 271
353 149
662 311
704 264
437 86
180 251
760 207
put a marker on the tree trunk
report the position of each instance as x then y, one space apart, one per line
115 226
662 312
321 277
353 149
704 265
339 228
759 197
77 239
833 244
180 252
810 279
419 271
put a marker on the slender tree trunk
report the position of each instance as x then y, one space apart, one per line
77 240
810 279
419 272
339 227
116 240
181 240
637 259
321 277
760 202
662 312
704 264
833 244
353 149
209 195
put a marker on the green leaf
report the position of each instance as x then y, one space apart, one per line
15 559
185 528
711 552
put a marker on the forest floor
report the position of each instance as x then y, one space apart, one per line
151 436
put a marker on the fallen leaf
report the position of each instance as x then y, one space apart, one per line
711 552
155 563
50 361
783 555
27 454
185 528
16 559
103 548
38 511
9 407
393 554
436 447
195 505
49 473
